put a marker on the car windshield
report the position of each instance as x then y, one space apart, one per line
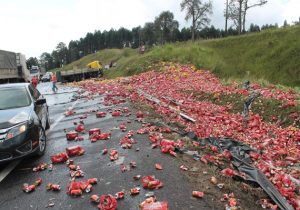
14 98
33 71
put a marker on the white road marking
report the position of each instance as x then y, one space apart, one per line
8 169
60 118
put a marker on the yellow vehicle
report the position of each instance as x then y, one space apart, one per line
96 65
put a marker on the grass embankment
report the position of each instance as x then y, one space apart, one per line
271 55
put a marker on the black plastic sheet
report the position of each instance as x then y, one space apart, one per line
242 161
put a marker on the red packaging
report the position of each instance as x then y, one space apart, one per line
123 127
76 192
198 194
174 154
167 145
80 128
107 202
149 182
227 172
158 166
165 130
40 167
100 114
214 149
104 151
139 114
159 205
79 138
95 198
184 168
94 138
38 182
116 114
28 188
94 131
123 168
59 158
93 180
226 153
213 180
75 151
69 113
113 155
135 191
254 155
72 167
54 187
77 173
232 202
120 195
71 135
104 136
73 186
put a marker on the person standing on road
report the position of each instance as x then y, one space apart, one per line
34 81
54 80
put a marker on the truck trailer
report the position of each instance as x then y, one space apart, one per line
13 67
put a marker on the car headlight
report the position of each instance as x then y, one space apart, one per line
17 130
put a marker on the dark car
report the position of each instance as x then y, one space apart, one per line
23 121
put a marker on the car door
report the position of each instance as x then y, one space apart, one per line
40 110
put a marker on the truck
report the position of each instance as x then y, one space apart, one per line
35 72
93 70
13 67
96 65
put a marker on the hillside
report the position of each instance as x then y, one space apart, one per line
272 55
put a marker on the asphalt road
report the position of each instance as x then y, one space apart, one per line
177 191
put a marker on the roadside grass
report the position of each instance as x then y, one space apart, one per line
271 55
271 110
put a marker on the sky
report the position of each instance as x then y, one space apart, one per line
36 26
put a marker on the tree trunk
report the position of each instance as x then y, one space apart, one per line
193 28
240 17
244 20
244 14
226 17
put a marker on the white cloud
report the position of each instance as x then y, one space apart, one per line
36 26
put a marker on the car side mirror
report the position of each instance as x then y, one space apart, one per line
40 101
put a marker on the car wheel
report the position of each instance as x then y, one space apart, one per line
42 142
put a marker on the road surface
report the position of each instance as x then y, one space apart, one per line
177 191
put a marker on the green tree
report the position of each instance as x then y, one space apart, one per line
198 12
165 26
32 61
73 51
186 34
136 37
46 61
62 52
148 33
238 10
254 28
